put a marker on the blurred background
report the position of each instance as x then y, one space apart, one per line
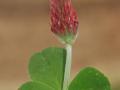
25 29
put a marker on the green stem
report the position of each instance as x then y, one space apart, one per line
67 67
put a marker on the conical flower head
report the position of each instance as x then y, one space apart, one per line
64 20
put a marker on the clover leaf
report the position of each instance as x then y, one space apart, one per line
46 70
90 79
35 86
47 67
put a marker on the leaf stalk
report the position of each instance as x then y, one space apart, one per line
67 71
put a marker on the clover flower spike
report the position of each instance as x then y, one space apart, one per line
64 20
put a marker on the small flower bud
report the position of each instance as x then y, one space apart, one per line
64 20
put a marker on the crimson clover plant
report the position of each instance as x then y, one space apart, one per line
50 69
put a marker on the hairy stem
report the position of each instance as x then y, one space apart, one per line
67 67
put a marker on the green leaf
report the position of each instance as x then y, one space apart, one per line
35 86
48 67
90 79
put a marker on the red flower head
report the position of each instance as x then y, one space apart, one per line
64 20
